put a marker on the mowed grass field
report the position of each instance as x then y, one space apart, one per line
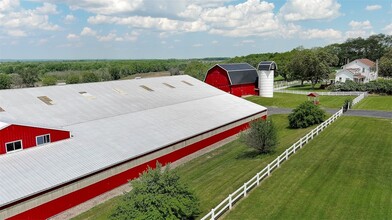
308 87
285 100
374 102
216 174
344 173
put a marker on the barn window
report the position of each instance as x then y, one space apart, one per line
190 84
13 146
147 88
43 139
46 100
119 91
1 109
168 85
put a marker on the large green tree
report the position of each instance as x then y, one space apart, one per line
5 81
385 66
158 194
262 136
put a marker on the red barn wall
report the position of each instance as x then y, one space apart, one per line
218 78
28 135
55 206
245 89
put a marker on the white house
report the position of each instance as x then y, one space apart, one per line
359 70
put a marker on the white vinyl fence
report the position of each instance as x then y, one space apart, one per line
320 93
284 84
228 203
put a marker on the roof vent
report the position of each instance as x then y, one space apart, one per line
147 88
46 100
87 95
190 84
168 85
120 91
1 109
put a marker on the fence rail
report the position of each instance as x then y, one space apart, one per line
320 93
228 203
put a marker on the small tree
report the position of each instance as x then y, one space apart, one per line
261 135
158 194
88 77
5 81
49 80
73 79
305 115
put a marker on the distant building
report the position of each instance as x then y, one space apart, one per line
241 79
360 71
63 145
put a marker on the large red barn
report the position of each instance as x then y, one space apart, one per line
239 79
118 129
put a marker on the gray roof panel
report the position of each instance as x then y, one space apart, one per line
110 128
240 73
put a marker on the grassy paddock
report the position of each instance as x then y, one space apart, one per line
344 173
381 103
216 174
308 87
285 100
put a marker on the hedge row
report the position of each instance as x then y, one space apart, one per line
379 87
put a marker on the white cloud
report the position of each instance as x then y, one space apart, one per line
16 33
6 5
88 32
47 8
72 37
373 7
360 25
197 45
321 34
297 10
25 20
107 7
109 37
248 41
215 42
69 19
388 29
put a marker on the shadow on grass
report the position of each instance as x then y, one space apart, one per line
251 154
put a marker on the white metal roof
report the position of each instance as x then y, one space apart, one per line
117 121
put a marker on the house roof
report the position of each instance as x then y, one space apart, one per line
111 122
366 62
240 73
313 94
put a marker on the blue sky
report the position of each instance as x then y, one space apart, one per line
150 29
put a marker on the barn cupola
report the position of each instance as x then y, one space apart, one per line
265 73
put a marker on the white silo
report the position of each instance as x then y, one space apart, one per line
265 72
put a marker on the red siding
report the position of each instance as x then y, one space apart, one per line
245 89
28 135
63 203
218 78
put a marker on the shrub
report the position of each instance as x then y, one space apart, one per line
305 115
379 87
88 77
73 79
5 81
261 135
49 81
158 194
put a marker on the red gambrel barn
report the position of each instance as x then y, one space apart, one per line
63 145
239 79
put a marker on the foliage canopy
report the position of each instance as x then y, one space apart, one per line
261 135
305 115
158 194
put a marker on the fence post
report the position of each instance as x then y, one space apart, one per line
278 161
269 169
287 154
244 189
258 178
230 201
213 213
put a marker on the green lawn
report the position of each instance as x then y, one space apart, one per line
381 103
344 173
216 174
308 87
285 100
